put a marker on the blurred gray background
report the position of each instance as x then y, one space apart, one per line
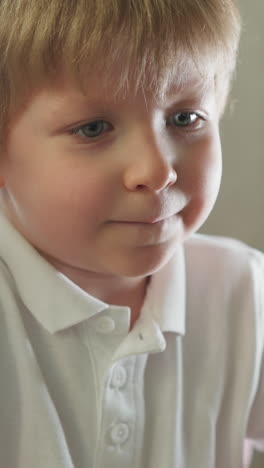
238 211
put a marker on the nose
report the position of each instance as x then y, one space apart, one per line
150 165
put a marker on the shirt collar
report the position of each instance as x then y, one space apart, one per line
58 303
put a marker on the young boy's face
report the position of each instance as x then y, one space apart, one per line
84 200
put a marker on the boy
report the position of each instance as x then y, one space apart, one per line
126 339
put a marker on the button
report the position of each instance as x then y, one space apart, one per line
120 433
119 377
105 325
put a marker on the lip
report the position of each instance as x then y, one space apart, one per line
148 221
145 222
149 233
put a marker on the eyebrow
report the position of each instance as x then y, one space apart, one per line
173 91
65 105
189 88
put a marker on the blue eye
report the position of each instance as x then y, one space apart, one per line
94 129
91 129
185 119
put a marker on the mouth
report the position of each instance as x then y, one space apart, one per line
153 220
150 225
146 223
149 233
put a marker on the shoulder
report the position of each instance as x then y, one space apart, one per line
225 294
10 305
225 322
7 282
226 274
219 245
223 255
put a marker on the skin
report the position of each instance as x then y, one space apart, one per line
67 194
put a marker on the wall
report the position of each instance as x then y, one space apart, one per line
239 210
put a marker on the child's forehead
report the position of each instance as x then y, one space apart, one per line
62 97
181 79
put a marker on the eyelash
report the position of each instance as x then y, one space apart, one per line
192 126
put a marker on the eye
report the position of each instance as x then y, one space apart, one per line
91 130
186 119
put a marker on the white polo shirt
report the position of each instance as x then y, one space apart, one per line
182 389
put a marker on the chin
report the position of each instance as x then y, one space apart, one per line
147 261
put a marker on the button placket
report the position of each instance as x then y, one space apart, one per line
105 325
119 433
122 414
119 377
119 397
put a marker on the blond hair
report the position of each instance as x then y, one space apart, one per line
148 37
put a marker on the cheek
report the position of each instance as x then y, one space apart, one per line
79 197
203 167
213 168
203 181
61 196
209 178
